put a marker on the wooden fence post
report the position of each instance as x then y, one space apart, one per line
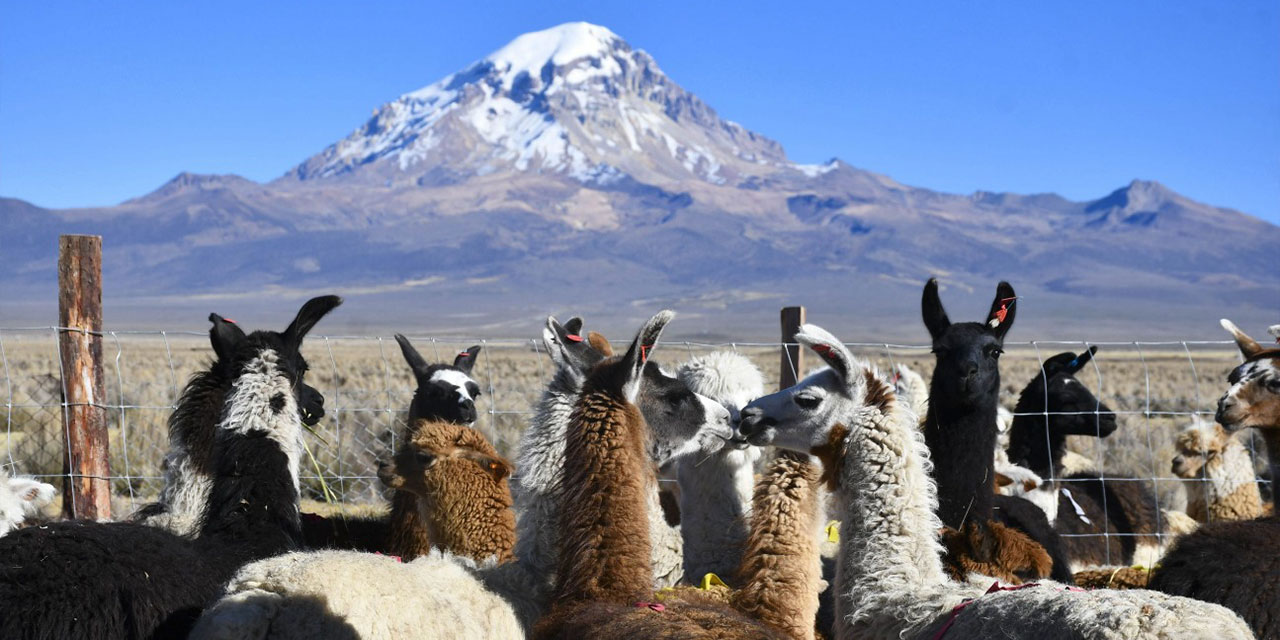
87 487
792 365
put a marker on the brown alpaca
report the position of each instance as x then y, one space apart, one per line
1218 471
460 482
998 551
1117 578
781 570
604 575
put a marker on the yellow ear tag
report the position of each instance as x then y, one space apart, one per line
833 531
712 580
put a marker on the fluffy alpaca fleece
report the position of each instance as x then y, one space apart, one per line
460 483
994 550
890 580
716 490
1114 578
604 577
330 595
21 499
1218 474
912 389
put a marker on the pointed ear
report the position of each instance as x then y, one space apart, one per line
568 350
574 326
1248 346
1003 309
416 362
935 317
467 359
600 343
308 316
640 351
1080 360
497 468
830 349
32 491
226 336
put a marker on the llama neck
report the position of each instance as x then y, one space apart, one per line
889 572
604 545
540 463
715 506
1271 436
469 524
189 464
407 535
962 443
1031 447
781 567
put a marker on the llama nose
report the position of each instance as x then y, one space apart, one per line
750 421
1222 411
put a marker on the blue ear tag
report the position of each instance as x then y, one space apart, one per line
1074 362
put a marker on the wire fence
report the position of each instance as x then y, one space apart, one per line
1154 388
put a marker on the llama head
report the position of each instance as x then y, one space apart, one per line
724 376
443 456
810 417
1253 400
571 353
968 353
270 361
1072 409
445 392
21 498
1197 446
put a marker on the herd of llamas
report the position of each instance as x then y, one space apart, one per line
855 504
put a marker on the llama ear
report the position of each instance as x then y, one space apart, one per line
310 313
411 355
935 317
1003 309
225 336
497 468
1080 360
567 349
574 326
467 359
1248 346
600 343
830 349
640 351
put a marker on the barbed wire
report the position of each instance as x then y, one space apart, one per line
368 388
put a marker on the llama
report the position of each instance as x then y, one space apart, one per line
604 576
890 580
21 499
444 393
1234 563
127 580
716 490
1089 512
672 411
960 428
188 464
1218 474
460 483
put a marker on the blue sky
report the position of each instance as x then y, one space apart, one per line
100 102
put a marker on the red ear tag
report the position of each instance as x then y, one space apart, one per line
999 316
897 375
464 354
229 320
644 353
823 350
572 338
656 606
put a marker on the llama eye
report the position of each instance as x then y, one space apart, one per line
425 457
994 352
808 402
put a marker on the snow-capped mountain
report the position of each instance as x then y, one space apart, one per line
574 100
566 173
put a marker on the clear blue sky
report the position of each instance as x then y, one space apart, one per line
100 102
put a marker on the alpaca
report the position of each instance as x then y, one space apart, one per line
127 580
673 413
960 428
716 490
1102 523
188 464
890 580
445 392
21 499
460 483
604 577
1235 563
1218 474
912 389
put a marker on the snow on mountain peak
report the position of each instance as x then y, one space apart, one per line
557 46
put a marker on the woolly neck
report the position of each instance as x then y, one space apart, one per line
961 440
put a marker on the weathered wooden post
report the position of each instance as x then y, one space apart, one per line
792 364
87 488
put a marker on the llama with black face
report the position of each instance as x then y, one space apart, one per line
960 429
127 580
188 464
1055 405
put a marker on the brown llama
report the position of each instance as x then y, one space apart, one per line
460 483
604 576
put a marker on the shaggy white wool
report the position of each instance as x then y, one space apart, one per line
249 407
21 498
345 594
